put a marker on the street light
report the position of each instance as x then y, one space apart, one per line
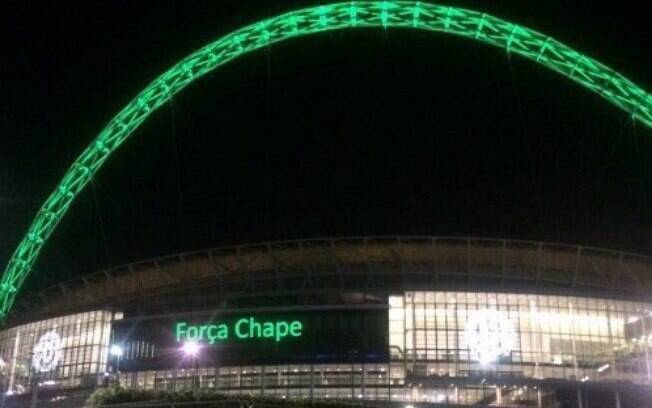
116 351
191 350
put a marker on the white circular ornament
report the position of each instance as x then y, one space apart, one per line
47 352
489 334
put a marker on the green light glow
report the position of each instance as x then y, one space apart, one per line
515 39
247 328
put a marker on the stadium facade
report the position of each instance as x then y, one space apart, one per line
404 320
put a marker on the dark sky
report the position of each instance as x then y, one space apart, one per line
346 133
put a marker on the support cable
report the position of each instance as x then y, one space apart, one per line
98 209
526 137
177 164
639 163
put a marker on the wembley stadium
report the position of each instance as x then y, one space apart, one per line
403 320
372 321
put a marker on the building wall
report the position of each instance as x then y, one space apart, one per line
328 334
80 359
565 337
441 344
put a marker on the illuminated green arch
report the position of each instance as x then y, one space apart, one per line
516 39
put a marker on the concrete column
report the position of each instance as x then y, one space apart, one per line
499 395
617 396
389 382
646 347
363 378
312 382
352 379
539 398
217 377
579 399
34 385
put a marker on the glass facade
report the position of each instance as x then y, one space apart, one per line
384 382
79 357
337 381
443 346
436 336
441 334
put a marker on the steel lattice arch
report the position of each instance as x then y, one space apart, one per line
513 38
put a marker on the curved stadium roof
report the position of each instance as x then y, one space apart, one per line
357 264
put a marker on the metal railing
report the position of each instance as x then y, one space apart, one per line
243 403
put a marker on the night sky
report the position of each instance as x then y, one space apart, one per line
345 133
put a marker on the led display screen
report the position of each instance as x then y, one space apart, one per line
292 336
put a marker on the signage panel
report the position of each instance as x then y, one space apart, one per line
318 336
246 328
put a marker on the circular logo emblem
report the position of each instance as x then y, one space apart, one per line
489 334
47 352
